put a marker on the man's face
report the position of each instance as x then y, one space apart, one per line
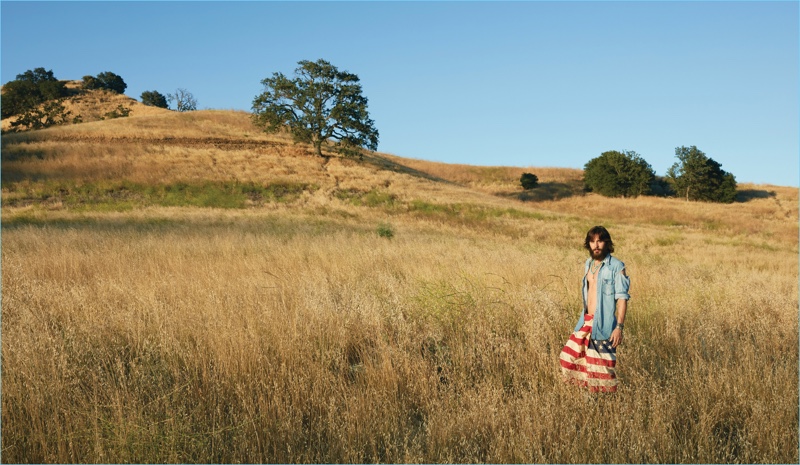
597 248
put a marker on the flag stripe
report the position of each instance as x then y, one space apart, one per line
587 362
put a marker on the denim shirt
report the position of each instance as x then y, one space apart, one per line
612 285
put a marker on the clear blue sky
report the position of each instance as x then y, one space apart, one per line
484 83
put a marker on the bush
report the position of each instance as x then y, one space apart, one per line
618 174
105 80
119 112
90 83
154 99
529 181
385 230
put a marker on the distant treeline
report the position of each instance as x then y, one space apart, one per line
626 174
35 99
695 176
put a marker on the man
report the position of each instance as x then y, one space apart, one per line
589 358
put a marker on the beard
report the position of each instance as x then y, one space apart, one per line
599 254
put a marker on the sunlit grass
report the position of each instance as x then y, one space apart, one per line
228 297
124 195
273 337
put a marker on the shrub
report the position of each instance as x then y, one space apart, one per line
105 80
618 174
385 230
119 112
90 83
154 99
529 181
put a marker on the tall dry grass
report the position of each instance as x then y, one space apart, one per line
180 335
398 311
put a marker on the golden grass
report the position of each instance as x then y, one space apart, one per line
294 332
246 336
554 183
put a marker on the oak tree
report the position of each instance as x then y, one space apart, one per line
319 105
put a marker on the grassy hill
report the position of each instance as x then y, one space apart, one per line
180 287
96 105
218 159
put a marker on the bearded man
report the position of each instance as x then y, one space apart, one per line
589 358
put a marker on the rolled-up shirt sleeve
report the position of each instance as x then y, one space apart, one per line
622 284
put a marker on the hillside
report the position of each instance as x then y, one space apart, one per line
183 288
95 105
51 170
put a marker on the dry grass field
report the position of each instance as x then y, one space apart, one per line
183 288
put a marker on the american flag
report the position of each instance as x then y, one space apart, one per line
588 362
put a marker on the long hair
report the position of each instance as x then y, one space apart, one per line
603 234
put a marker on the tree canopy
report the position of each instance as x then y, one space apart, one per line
615 174
51 113
529 181
30 89
320 104
698 177
154 98
105 80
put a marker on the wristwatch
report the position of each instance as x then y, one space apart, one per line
620 326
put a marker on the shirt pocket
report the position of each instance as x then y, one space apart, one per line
608 286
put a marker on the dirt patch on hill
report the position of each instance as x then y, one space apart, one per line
208 142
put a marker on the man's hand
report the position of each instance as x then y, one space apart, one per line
616 337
